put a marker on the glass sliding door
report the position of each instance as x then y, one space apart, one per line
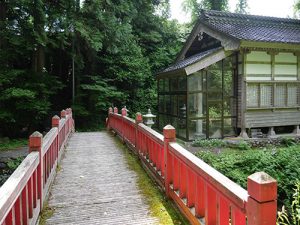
212 101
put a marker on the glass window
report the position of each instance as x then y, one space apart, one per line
182 83
266 95
292 95
214 77
197 105
182 106
229 124
162 107
196 81
168 104
215 130
252 95
280 95
161 85
173 84
174 105
167 84
228 110
197 129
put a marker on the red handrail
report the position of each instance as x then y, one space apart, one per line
204 195
23 194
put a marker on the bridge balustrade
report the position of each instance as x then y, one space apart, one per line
204 195
22 196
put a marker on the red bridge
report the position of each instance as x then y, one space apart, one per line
92 184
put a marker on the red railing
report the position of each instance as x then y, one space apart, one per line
204 195
23 194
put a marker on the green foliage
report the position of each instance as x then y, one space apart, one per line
7 144
241 7
288 141
243 145
13 164
281 163
292 218
209 143
117 47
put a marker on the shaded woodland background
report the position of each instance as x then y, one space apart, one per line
116 46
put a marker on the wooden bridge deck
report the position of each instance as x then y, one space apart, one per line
95 186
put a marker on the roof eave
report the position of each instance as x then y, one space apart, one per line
177 72
269 45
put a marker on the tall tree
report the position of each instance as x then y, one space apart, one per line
241 7
194 7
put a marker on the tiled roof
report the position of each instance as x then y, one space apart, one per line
190 60
253 28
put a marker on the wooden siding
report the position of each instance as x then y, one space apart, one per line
267 118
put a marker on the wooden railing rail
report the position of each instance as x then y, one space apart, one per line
204 195
23 194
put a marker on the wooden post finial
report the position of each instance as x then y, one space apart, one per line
55 121
63 114
138 118
262 201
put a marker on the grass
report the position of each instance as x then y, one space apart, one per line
7 144
46 213
159 206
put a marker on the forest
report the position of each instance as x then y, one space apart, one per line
88 55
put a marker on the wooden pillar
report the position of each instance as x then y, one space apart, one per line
138 120
35 144
169 136
262 200
243 106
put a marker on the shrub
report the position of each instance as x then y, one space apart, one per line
209 143
285 218
282 164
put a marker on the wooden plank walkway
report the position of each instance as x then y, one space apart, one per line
95 186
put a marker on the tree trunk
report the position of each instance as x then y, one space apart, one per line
3 10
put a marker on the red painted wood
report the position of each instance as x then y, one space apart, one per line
182 180
200 197
175 173
223 211
191 188
30 197
18 212
34 189
237 217
211 193
25 217
10 218
210 206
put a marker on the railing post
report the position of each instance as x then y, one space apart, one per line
55 121
108 127
123 113
115 110
169 136
138 120
35 144
262 200
63 114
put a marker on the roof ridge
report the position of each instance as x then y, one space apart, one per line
208 14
